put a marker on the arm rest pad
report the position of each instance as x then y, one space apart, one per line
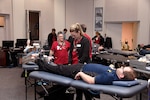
125 83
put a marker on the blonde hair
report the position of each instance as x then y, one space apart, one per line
76 28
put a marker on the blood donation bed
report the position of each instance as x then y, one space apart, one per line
119 89
121 52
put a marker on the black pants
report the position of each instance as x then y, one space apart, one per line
88 95
57 92
65 70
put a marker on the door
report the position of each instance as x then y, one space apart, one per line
129 34
33 25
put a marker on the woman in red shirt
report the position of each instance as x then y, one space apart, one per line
98 39
60 49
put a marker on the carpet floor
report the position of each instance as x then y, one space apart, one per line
12 86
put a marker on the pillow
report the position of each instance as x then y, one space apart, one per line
125 83
30 63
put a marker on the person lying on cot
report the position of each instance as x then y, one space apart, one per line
90 73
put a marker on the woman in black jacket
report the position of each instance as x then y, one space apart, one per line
80 46
79 50
98 38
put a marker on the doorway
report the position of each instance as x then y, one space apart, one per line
34 25
129 34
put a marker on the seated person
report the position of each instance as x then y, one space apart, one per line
98 38
125 46
28 48
31 53
89 73
144 49
100 48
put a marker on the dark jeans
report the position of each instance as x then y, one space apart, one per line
144 52
65 70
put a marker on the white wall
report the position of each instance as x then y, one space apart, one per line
2 31
18 19
46 8
121 10
62 13
114 31
6 11
59 15
5 7
80 11
15 12
143 35
128 11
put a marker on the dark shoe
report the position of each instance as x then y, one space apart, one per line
52 63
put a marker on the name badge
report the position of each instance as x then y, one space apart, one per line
59 48
78 45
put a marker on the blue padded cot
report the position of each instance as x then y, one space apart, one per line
30 66
121 52
113 90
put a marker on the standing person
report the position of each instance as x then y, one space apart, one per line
125 46
52 37
144 49
105 36
79 50
80 46
70 39
83 26
65 32
107 42
98 38
60 49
